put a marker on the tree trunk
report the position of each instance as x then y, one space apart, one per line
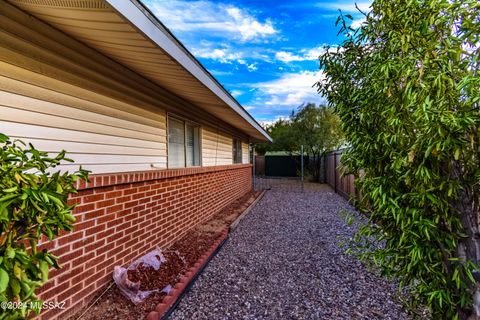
469 247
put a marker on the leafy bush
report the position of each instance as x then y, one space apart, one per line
33 203
406 86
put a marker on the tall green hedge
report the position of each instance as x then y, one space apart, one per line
406 86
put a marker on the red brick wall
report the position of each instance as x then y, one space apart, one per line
122 216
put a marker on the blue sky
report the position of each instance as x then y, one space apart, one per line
264 52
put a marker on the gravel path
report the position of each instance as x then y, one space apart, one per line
283 262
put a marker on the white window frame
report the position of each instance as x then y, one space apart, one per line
185 123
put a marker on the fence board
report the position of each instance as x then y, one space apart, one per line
343 185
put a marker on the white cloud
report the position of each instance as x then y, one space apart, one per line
357 23
345 6
219 19
247 25
252 67
287 56
303 54
290 90
237 93
224 55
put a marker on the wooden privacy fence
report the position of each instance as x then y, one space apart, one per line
344 186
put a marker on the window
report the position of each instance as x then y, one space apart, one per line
237 151
183 144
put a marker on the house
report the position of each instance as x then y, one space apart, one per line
168 146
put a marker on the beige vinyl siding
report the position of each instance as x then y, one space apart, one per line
58 94
216 147
245 153
98 142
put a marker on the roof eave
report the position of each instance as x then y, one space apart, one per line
141 17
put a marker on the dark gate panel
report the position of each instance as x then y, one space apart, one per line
283 166
260 165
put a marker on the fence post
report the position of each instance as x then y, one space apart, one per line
253 169
302 166
335 170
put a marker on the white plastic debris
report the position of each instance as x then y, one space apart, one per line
131 289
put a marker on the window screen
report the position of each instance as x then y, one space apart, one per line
176 143
237 151
192 146
183 144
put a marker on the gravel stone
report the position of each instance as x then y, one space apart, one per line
284 262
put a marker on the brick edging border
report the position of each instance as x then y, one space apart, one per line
169 301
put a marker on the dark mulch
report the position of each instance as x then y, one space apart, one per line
194 245
168 273
182 255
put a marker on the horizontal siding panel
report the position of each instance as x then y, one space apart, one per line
222 162
56 82
112 168
87 159
209 133
216 147
213 141
226 142
126 112
224 155
25 131
76 147
96 142
29 104
213 151
28 117
213 136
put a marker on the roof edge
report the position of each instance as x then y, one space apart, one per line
143 19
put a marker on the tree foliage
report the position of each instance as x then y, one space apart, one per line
406 88
282 136
317 128
33 203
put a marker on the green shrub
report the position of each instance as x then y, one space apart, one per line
406 86
33 203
